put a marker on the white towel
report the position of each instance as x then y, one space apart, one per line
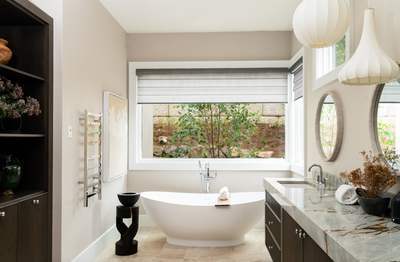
346 195
224 193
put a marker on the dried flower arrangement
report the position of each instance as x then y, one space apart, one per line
375 179
12 104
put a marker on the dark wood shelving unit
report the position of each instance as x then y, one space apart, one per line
28 213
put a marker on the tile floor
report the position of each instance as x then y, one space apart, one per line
154 248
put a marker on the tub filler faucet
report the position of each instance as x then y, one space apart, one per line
205 178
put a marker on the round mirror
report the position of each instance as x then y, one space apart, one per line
329 126
385 124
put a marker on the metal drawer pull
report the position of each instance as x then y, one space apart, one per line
2 214
270 247
304 235
296 231
300 233
36 202
270 223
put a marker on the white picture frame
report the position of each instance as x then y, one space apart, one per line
115 136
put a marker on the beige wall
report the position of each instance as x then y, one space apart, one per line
94 60
209 46
295 44
356 101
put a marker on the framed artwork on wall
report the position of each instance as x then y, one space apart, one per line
115 136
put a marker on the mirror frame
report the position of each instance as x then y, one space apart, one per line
340 125
373 124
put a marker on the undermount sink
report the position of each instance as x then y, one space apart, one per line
296 184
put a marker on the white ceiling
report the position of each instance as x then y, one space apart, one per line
176 16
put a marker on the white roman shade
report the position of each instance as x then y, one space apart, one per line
221 85
297 71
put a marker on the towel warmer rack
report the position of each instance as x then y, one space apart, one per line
91 181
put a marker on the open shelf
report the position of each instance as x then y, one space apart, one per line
10 72
21 135
18 196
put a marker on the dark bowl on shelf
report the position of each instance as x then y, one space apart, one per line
128 199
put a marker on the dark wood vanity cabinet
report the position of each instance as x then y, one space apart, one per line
285 240
273 234
23 230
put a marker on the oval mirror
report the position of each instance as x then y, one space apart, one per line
385 120
329 126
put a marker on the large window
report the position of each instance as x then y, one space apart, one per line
215 131
235 117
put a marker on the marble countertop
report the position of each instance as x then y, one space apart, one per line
345 232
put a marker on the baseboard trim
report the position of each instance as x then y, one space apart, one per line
145 221
98 246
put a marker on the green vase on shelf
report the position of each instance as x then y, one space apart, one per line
10 174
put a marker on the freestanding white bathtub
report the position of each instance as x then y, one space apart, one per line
193 219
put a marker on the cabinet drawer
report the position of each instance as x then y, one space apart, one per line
8 233
273 204
273 224
272 247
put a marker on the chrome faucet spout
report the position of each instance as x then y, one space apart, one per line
321 181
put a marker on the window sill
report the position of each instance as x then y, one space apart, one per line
217 164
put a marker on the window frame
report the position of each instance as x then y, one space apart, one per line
297 149
136 160
332 76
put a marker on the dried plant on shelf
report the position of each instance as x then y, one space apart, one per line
12 103
375 179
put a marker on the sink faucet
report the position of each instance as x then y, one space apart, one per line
205 182
321 181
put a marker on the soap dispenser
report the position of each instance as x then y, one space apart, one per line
396 208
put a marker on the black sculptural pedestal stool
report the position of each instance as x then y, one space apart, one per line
127 245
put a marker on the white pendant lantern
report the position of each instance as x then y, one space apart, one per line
370 65
321 23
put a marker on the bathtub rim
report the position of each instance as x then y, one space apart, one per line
215 195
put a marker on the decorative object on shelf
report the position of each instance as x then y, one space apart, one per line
11 125
127 245
13 105
372 182
115 135
10 174
319 24
5 52
370 65
396 208
373 206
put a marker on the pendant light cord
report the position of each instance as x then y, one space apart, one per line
369 2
